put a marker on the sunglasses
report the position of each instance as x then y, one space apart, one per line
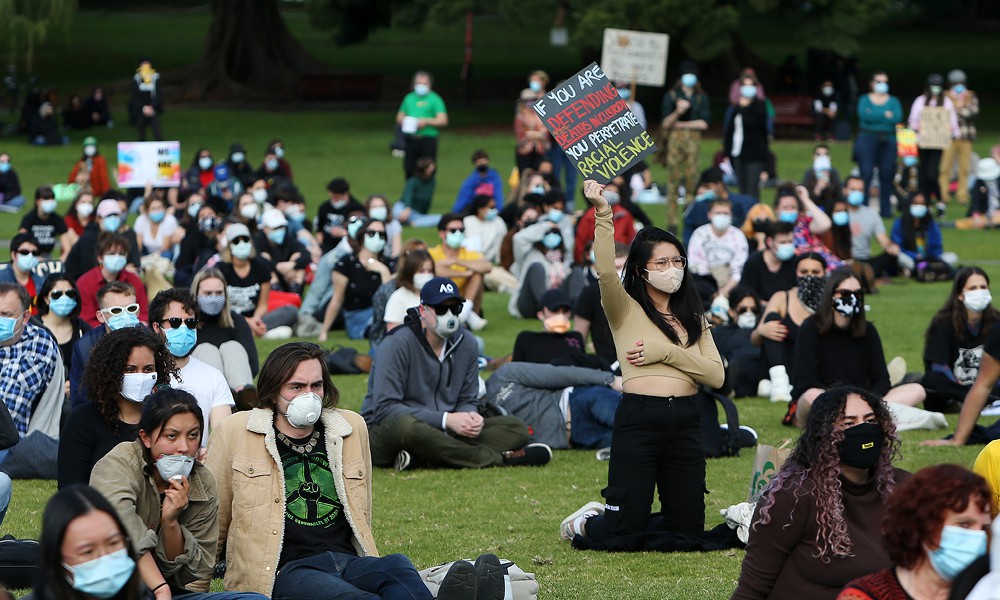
456 230
443 309
57 294
742 309
380 234
175 322
114 311
240 239
29 252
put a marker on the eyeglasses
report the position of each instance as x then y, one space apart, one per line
380 234
240 239
175 322
456 230
57 294
661 264
114 311
29 252
443 309
843 292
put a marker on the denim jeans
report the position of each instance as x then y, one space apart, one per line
877 150
657 442
416 219
564 169
356 322
592 411
6 490
220 596
346 576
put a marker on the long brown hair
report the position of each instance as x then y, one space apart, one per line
954 313
280 366
858 325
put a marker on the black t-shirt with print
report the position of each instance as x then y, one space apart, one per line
314 515
244 291
361 283
992 345
962 357
46 231
330 216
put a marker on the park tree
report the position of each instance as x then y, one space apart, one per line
26 24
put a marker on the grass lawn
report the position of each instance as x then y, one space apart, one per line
436 516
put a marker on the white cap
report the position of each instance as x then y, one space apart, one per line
273 219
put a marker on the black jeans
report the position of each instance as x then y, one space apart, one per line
656 442
416 147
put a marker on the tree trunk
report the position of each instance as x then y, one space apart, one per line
248 53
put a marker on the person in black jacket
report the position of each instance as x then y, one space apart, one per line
288 257
239 166
745 138
146 103
96 106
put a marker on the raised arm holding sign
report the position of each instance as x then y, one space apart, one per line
594 126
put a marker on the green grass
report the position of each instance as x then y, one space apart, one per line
436 516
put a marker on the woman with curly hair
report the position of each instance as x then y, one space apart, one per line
935 526
123 369
953 344
817 525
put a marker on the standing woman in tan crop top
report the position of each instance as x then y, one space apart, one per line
666 350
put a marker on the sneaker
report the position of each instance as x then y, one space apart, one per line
570 528
282 332
490 578
475 322
604 453
532 455
764 388
897 370
459 582
402 462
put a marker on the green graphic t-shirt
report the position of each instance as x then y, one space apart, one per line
314 515
423 107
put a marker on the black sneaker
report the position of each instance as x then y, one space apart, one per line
532 455
459 582
490 584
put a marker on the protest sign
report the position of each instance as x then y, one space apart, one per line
635 56
143 162
935 128
594 126
906 141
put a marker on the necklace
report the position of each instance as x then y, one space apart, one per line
305 448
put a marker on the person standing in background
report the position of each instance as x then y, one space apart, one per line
686 114
875 145
146 104
420 115
966 104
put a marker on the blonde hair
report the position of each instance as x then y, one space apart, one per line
226 316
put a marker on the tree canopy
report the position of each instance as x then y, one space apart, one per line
25 24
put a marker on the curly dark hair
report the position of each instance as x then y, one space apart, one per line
914 513
813 468
102 378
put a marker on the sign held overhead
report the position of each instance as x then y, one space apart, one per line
635 56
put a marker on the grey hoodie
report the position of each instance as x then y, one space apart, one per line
407 377
531 392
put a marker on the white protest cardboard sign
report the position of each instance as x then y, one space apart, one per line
635 55
142 162
592 124
935 128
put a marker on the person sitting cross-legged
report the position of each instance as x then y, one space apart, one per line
421 403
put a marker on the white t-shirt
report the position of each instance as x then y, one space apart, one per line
208 385
143 229
399 301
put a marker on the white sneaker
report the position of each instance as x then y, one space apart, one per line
764 388
475 322
897 370
278 333
569 528
604 454
781 387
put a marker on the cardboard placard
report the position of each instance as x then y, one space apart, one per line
143 162
594 126
935 128
635 56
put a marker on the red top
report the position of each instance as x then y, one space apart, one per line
880 585
624 229
99 182
92 281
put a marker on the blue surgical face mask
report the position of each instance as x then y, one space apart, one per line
689 80
840 218
48 206
881 87
538 189
241 250
552 240
111 223
193 209
454 239
27 262
181 341
721 222
277 235
157 216
4 167
8 326
375 245
748 91
271 164
785 251
491 214
788 216
379 213
279 151
958 88
910 161
535 85
238 157
422 89
709 195
123 321
918 211
104 576
855 198
114 263
62 306
958 549
205 162
555 215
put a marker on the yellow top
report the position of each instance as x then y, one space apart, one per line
988 467
437 253
700 363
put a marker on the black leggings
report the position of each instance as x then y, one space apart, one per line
655 442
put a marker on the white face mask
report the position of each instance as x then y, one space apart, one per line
136 386
259 195
421 279
668 281
174 465
977 300
84 209
747 320
304 410
250 211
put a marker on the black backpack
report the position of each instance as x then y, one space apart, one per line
719 441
